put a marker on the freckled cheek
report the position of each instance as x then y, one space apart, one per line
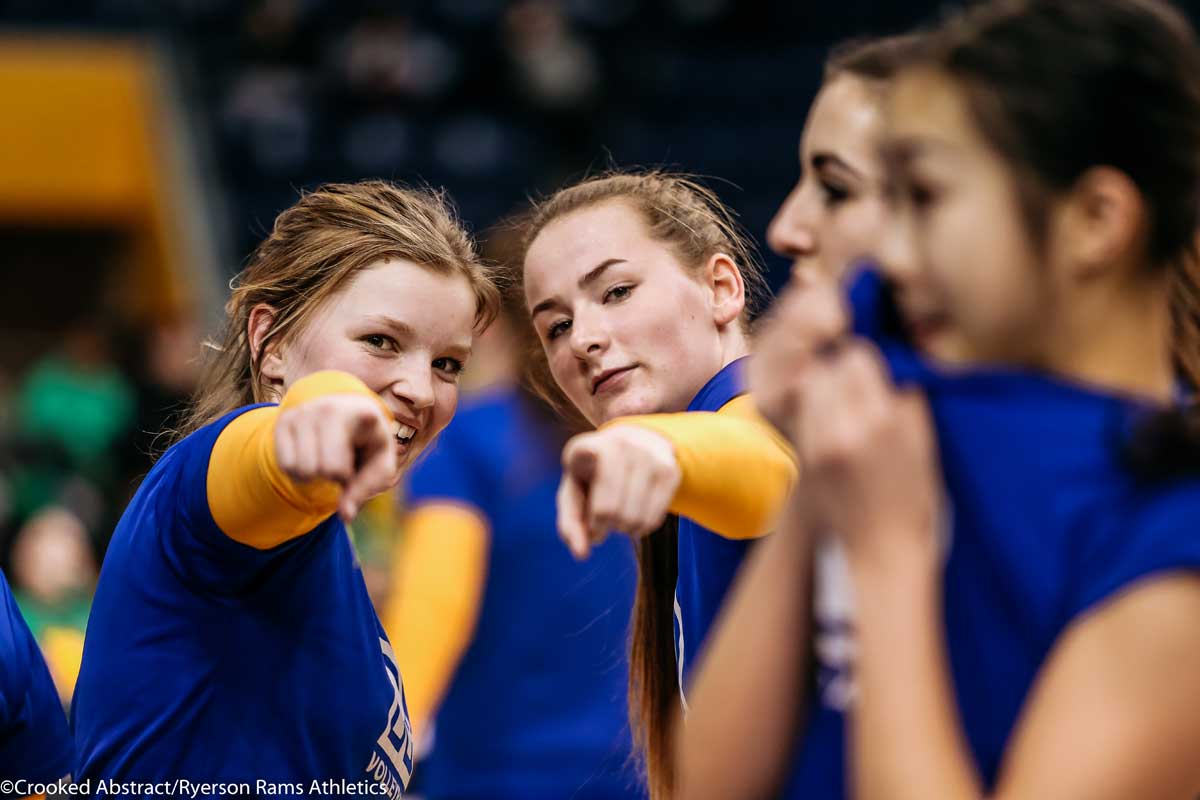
367 369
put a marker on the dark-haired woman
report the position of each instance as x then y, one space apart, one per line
1006 456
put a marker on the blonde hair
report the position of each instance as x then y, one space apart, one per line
314 248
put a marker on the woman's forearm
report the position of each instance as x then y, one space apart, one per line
907 739
748 694
736 470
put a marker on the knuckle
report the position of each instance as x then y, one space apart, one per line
604 507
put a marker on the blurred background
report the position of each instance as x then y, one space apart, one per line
147 145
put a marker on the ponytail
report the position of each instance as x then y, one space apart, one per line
653 681
1167 445
1185 317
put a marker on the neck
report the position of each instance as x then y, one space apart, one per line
1119 338
734 343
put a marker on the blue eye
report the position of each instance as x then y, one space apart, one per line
558 329
379 341
618 292
451 366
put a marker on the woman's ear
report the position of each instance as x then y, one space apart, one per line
728 289
270 369
1103 222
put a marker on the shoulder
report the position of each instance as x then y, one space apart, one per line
13 634
178 482
200 441
727 384
18 651
489 406
479 425
1152 531
1168 509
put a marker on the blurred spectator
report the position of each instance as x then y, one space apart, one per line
267 116
164 364
54 576
274 22
556 69
76 401
374 535
387 57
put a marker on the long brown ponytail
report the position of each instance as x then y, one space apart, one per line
653 681
1185 316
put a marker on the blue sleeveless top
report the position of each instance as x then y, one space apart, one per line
537 707
1047 522
208 660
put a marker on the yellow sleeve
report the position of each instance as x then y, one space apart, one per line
437 586
737 469
250 497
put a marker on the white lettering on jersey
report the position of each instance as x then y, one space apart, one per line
833 613
834 643
679 651
396 741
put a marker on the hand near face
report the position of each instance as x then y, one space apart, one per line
807 317
343 438
622 478
868 457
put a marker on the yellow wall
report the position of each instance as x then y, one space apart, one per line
83 142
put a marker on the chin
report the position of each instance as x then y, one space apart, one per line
628 407
405 461
950 354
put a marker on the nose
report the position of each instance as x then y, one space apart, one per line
414 384
790 233
589 335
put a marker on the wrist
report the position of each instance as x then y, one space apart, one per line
648 438
894 559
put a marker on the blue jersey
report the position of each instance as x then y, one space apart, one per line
35 744
537 707
1047 521
708 561
211 661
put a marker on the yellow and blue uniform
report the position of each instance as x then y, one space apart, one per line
35 744
1046 520
514 649
737 473
232 637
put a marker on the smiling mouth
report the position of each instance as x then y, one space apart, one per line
603 379
404 433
